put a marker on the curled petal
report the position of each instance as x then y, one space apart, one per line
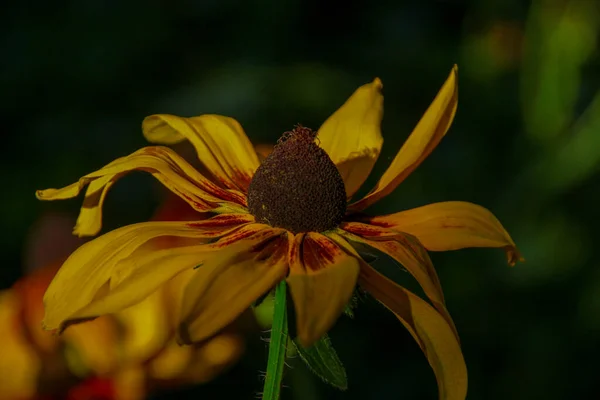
220 142
425 137
352 135
227 284
164 164
322 279
428 327
406 250
122 267
452 225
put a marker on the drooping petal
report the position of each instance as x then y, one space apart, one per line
428 327
322 279
452 225
352 135
221 143
164 164
118 269
406 250
425 137
227 284
442 351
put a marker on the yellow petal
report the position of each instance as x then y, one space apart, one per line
95 345
452 225
406 250
425 137
352 135
263 150
428 327
321 280
170 362
226 285
212 357
115 270
164 164
221 143
20 366
146 329
130 383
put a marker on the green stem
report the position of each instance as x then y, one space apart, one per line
277 345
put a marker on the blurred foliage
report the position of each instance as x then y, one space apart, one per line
78 78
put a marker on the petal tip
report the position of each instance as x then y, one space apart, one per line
454 76
39 194
377 83
513 256
82 231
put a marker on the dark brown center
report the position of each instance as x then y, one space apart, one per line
298 187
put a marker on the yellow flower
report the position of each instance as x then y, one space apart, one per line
288 218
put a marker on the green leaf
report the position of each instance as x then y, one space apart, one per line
323 361
277 345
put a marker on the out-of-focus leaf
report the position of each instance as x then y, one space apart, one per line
263 312
574 158
560 38
322 360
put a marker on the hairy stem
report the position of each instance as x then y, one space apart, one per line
277 345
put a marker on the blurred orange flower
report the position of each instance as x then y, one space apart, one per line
121 356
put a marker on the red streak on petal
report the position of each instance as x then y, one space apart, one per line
254 233
200 206
239 180
294 258
221 221
243 179
319 252
381 223
363 229
233 197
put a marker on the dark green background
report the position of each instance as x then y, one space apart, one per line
78 77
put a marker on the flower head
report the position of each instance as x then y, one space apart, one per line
298 187
290 217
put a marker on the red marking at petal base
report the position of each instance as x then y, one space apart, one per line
221 221
319 252
253 233
199 206
233 197
294 257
